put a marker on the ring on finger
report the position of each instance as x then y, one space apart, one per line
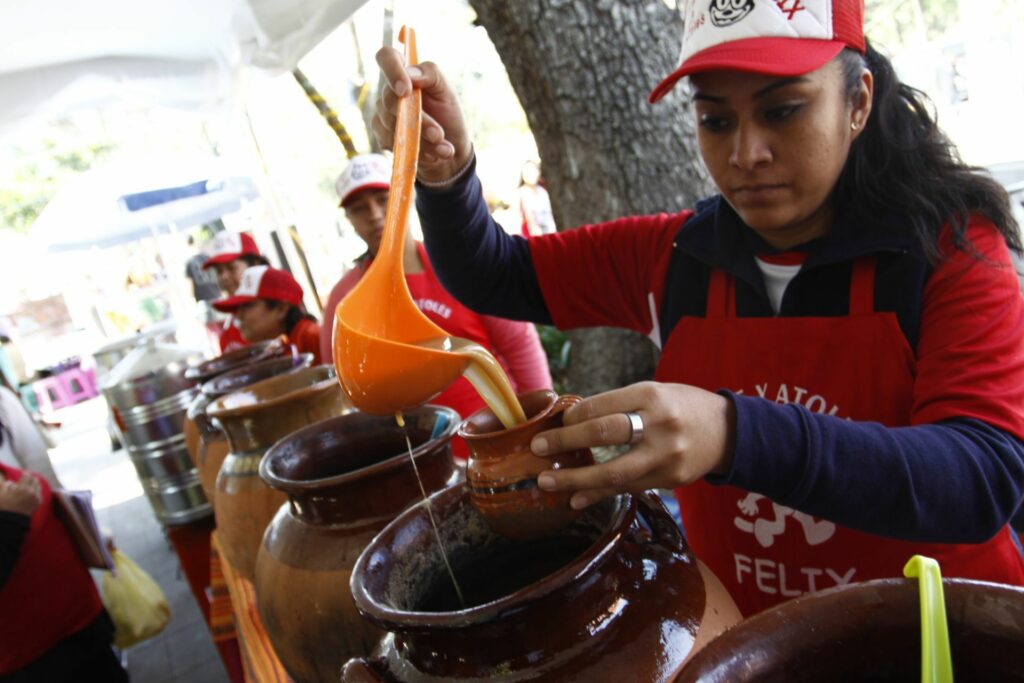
636 428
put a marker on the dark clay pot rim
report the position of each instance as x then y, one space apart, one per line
209 369
809 614
274 480
218 410
405 620
212 389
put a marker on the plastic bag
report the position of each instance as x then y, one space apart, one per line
135 602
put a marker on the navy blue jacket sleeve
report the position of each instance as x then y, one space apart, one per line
485 268
956 481
13 529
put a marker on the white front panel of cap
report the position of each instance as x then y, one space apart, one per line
227 243
250 284
712 22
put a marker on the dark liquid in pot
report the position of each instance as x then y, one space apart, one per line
503 571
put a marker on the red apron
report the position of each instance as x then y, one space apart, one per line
858 367
231 337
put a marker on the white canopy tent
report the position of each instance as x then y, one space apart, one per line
88 211
58 54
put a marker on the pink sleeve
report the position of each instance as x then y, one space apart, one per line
344 286
518 344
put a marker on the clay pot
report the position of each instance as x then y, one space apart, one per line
502 470
346 478
253 420
870 632
212 446
614 596
207 370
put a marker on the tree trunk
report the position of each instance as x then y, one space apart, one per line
582 70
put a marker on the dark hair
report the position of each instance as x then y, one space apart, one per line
294 315
902 162
254 260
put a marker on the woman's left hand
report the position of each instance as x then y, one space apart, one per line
688 433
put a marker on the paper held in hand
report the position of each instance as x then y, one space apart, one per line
75 509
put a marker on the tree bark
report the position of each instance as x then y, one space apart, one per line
582 70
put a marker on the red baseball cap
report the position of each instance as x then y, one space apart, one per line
231 246
364 172
773 37
263 282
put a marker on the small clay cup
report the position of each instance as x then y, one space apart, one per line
502 471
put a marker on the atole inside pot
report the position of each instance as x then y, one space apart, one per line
614 596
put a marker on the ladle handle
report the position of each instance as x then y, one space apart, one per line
403 174
664 530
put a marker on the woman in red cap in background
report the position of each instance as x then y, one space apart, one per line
841 384
268 305
230 254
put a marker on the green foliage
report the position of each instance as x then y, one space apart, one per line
556 347
893 23
32 175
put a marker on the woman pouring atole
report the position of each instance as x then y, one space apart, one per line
842 377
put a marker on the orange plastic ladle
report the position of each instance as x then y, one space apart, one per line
377 327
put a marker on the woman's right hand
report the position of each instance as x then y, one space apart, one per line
22 496
445 145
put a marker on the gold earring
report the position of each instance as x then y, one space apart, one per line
854 126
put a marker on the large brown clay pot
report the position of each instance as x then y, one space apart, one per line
212 446
346 478
614 596
869 632
254 419
502 470
207 370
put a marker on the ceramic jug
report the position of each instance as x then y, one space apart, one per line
212 446
345 479
614 596
253 420
207 370
502 470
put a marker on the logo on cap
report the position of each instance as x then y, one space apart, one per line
728 12
250 284
359 171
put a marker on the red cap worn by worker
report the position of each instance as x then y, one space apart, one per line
364 172
263 282
231 246
773 37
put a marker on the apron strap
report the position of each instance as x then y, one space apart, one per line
862 287
721 295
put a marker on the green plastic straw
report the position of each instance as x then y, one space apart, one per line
936 663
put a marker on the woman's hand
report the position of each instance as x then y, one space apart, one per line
445 146
688 432
22 496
